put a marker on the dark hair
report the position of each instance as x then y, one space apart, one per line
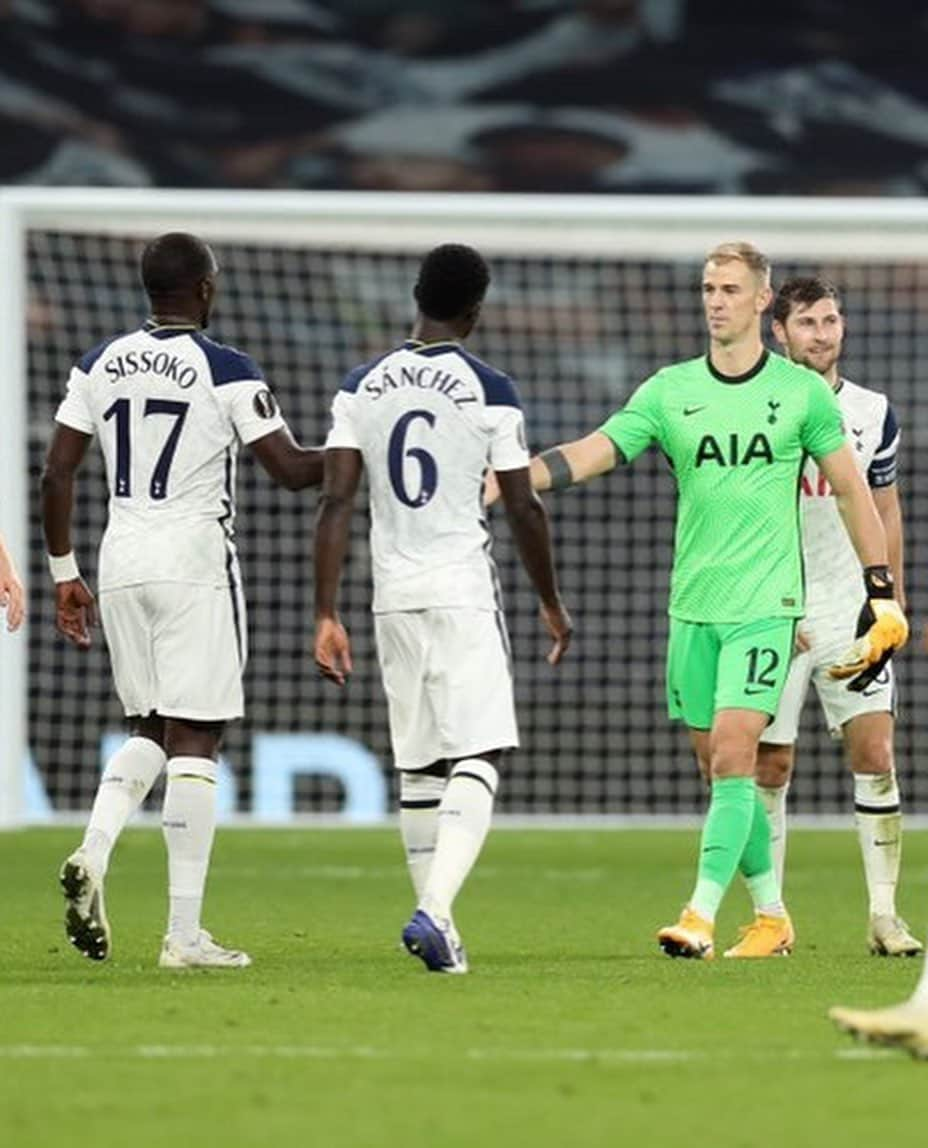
175 263
453 280
803 291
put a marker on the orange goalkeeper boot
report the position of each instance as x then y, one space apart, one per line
765 937
691 936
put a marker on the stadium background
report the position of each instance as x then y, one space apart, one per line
609 96
578 334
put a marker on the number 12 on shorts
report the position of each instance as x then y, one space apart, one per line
762 663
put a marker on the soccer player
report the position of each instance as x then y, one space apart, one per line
12 595
426 420
899 1026
170 407
736 425
809 325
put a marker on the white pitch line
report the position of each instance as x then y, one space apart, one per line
590 1056
396 873
867 1053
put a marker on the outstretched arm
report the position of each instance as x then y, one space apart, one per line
288 463
342 474
565 465
75 606
528 521
575 462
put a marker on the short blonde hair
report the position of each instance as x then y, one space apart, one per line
745 253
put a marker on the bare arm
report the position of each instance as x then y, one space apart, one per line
855 503
65 454
12 595
342 474
528 521
585 458
565 465
289 464
75 607
886 500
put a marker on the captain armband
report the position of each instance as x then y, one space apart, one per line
558 468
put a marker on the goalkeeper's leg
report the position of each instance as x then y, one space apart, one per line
771 932
727 828
734 676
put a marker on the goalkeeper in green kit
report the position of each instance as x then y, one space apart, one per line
736 425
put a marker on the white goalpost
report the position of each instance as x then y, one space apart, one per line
589 295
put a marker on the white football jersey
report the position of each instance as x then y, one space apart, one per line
833 572
429 420
170 407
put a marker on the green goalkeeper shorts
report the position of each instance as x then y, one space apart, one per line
712 667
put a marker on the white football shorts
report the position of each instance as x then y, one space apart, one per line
838 702
177 649
448 681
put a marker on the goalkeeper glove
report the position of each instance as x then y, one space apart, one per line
881 630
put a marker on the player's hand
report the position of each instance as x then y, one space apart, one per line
490 488
75 611
881 628
12 595
559 626
332 650
801 642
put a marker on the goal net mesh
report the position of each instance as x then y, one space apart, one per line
577 334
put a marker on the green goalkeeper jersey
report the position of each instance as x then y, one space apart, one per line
737 448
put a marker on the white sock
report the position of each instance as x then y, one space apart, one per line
879 829
463 822
420 797
189 824
774 800
129 775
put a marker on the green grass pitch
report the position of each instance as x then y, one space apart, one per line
571 1030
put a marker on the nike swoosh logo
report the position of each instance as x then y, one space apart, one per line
751 692
692 410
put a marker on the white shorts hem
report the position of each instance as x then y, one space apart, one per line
457 755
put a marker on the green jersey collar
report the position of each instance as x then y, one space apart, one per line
746 377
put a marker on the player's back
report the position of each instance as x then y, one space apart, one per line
429 420
169 406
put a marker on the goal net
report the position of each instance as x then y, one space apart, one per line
588 298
